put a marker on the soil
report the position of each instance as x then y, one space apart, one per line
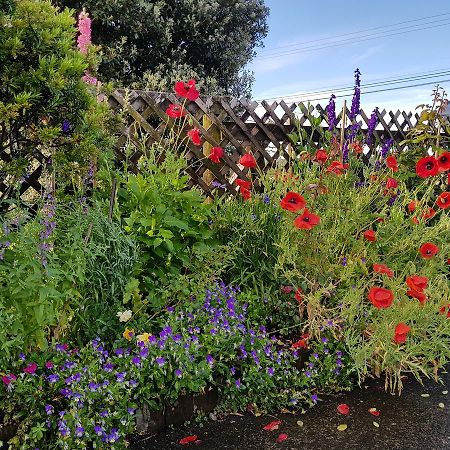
418 419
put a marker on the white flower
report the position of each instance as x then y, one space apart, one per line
124 316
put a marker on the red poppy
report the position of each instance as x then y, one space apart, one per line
343 409
412 206
381 297
356 147
391 162
445 310
417 283
175 111
370 235
428 250
443 201
448 178
307 220
216 154
299 295
428 213
187 90
272 425
427 167
281 438
391 183
293 202
415 220
248 160
194 135
244 184
321 156
401 331
188 439
382 268
419 295
444 162
337 167
300 344
245 193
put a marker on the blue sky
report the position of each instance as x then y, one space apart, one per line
319 22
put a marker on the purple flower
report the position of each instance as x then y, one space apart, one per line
331 112
324 340
79 431
120 377
98 430
21 355
160 361
108 367
131 411
344 261
308 373
66 392
93 386
356 105
104 413
178 373
314 398
53 378
386 147
49 409
266 199
238 383
65 127
233 371
209 360
136 360
270 371
371 126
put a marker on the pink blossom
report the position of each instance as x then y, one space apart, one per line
31 368
7 379
84 30
89 79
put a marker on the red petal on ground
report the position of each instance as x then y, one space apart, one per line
272 425
343 409
281 438
188 439
374 412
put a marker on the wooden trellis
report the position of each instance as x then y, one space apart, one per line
237 125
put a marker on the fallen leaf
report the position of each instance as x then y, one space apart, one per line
343 409
342 427
445 392
425 395
281 438
272 425
376 424
441 405
300 423
188 439
374 412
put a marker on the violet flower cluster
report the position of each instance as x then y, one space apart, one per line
373 121
331 113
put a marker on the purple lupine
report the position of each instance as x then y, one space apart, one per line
331 112
356 100
371 126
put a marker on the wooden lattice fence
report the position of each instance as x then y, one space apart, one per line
237 125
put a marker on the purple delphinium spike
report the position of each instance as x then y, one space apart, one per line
386 147
371 126
331 112
356 101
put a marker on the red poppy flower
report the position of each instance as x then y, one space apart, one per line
321 156
245 193
444 162
381 297
272 425
412 206
415 220
248 160
428 250
244 183
216 154
443 201
187 90
188 439
307 220
175 111
194 135
356 147
382 268
417 283
337 167
401 331
299 295
293 202
428 213
448 178
445 310
419 295
391 183
343 409
391 162
427 167
370 235
281 438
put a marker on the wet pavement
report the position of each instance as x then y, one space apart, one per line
418 419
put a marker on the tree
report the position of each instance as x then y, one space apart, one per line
154 42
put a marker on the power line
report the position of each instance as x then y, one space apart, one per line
374 83
343 42
358 32
380 90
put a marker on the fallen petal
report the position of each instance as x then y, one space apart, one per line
342 427
376 424
281 438
188 439
343 409
272 425
441 405
374 412
300 423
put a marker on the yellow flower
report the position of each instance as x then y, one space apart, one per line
128 334
143 337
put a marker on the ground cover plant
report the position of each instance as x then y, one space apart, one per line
128 289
